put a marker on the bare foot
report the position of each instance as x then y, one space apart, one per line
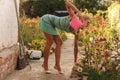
79 64
46 70
58 69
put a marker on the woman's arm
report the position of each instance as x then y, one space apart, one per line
71 8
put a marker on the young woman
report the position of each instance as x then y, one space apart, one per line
49 25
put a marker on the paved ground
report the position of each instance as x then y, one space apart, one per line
37 72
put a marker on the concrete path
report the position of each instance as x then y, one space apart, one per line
37 72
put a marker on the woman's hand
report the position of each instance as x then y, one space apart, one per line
71 8
79 16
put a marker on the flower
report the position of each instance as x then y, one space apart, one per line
114 53
106 53
119 51
91 39
105 61
112 60
99 66
118 67
110 68
103 69
118 58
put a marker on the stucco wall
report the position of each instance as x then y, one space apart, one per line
8 24
8 37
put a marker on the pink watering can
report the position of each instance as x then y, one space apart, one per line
76 23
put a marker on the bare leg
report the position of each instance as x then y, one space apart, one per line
49 41
58 42
75 57
76 49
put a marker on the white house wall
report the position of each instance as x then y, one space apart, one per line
8 24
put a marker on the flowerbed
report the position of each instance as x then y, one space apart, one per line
100 62
102 51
